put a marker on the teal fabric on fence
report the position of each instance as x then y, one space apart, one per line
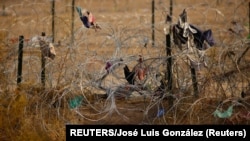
79 11
75 102
225 114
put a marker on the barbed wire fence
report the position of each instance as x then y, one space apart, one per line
77 81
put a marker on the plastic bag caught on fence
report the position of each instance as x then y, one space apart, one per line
161 112
75 102
226 114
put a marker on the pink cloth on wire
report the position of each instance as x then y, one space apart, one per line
108 65
91 18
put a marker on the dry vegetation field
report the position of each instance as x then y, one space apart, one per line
33 112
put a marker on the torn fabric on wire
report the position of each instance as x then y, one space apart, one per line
182 28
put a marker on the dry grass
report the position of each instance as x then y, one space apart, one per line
32 112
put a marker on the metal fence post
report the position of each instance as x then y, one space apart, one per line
43 66
72 24
53 20
194 80
20 59
169 55
153 23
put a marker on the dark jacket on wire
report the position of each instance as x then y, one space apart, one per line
199 37
129 75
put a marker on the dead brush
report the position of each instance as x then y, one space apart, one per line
4 54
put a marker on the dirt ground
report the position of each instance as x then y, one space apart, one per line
36 113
